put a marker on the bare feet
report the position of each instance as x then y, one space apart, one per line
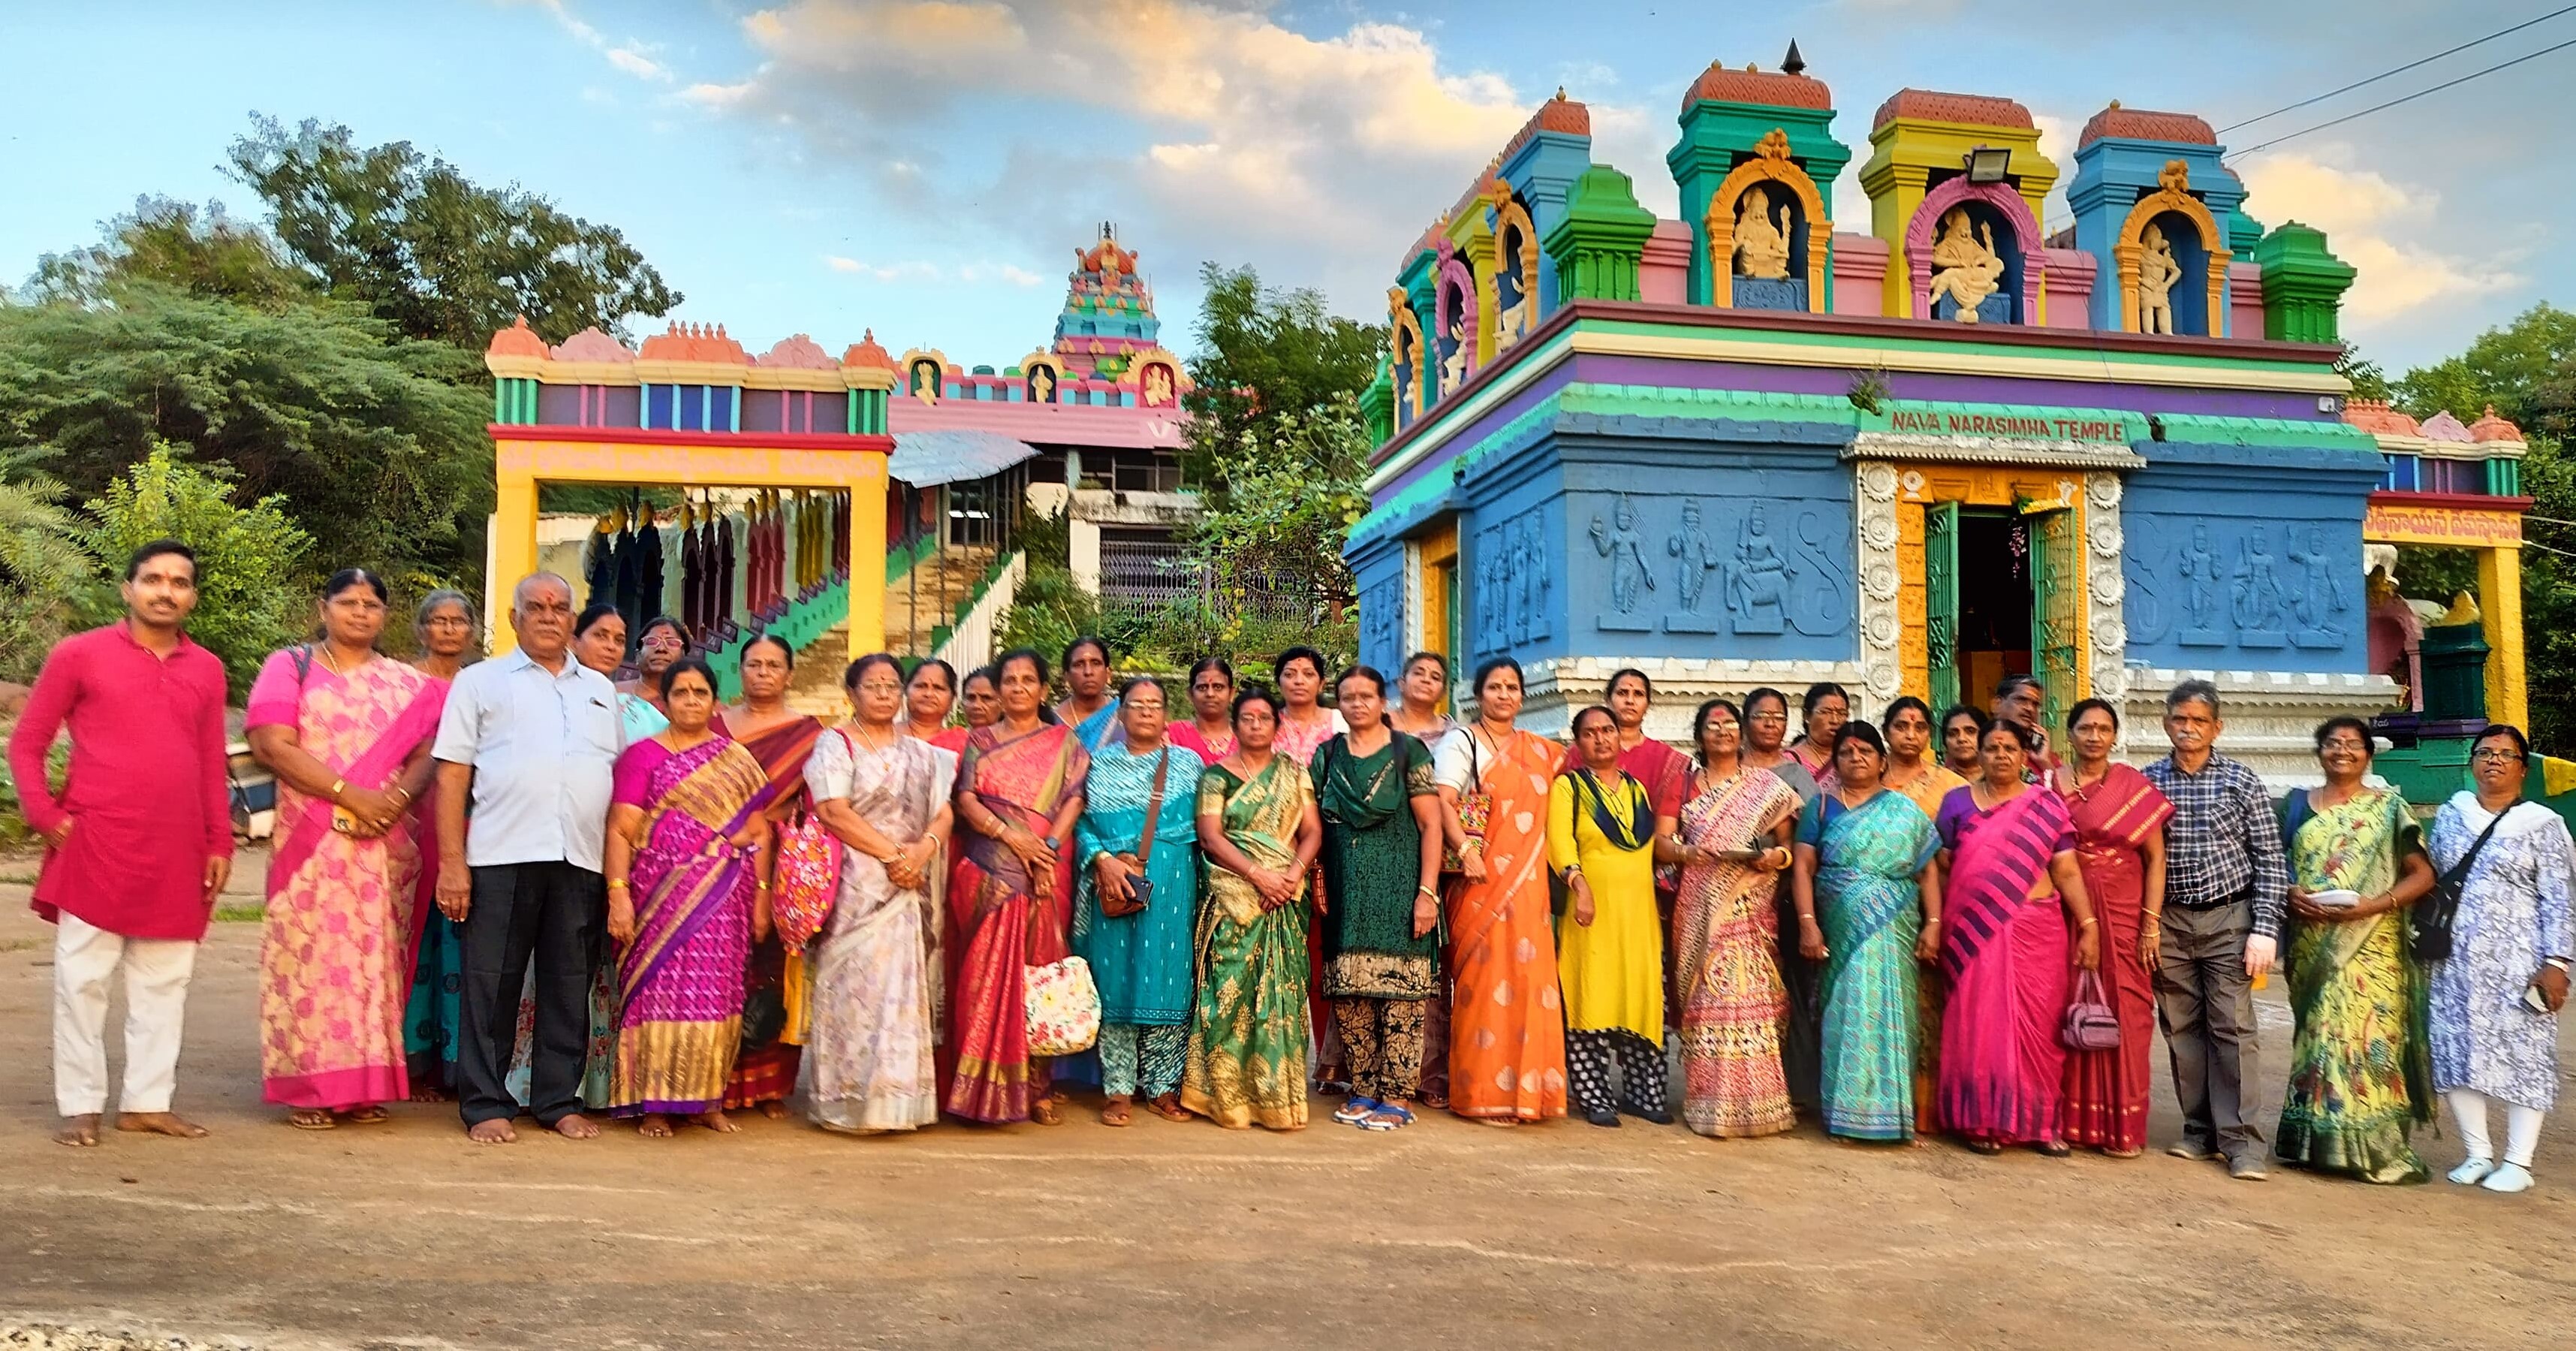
655 1126
715 1120
497 1131
775 1109
80 1132
575 1126
160 1123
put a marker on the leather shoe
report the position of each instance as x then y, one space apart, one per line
1601 1116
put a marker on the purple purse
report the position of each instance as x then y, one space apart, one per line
2090 1024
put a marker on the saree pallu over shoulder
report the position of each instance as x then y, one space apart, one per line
1726 970
869 1062
1247 1048
2004 951
2106 1093
1507 1021
1003 925
344 917
1869 906
680 981
2361 1070
767 1072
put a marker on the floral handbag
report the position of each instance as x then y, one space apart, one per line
807 878
1475 807
1063 1008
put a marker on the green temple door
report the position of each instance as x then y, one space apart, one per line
1941 602
2056 621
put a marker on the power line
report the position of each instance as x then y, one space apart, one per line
2501 32
2409 98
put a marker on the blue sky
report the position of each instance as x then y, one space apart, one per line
925 167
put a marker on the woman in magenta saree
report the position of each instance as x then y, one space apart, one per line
2011 856
2120 841
685 863
347 732
1019 791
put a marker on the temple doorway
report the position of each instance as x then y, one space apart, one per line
1999 602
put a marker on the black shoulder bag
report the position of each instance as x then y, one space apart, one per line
2429 924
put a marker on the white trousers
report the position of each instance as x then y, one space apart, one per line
2521 1126
156 1006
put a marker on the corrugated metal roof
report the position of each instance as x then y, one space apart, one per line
928 459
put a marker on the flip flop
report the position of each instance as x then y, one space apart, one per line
1355 1111
369 1116
305 1121
1385 1118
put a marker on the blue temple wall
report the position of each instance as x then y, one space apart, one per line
2243 558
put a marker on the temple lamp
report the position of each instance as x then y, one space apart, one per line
1987 163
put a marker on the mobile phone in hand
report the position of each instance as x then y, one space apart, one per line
2534 1000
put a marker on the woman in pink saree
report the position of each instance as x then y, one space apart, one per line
2009 859
347 732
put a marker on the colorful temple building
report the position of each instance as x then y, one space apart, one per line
869 495
1759 446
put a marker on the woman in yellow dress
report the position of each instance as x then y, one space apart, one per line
1610 945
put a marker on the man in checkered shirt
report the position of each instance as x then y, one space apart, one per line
2227 886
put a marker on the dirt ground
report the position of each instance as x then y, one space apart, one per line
1173 1235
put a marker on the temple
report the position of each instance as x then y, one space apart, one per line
1757 446
869 498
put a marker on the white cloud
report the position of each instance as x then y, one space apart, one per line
920 270
637 64
1206 128
634 58
2391 231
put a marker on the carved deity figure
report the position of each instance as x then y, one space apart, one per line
1042 384
1758 587
1158 386
1494 592
1626 549
2258 588
1512 322
1697 552
2157 273
2322 593
1964 265
2201 575
925 382
1530 566
1761 248
1453 369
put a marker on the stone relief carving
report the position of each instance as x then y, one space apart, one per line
2258 602
1761 247
1453 368
2107 601
1964 265
1381 620
1530 575
1757 592
1493 606
2202 576
1699 557
2157 273
2323 591
1882 627
1820 600
1624 545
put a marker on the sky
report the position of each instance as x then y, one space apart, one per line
925 168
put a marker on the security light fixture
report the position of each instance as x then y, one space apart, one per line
1987 163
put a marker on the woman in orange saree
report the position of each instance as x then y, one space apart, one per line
1019 792
1506 1021
773 1014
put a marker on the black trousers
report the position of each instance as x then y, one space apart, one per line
557 914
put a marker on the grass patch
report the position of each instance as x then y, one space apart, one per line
18 877
237 914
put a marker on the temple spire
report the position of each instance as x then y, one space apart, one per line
1793 64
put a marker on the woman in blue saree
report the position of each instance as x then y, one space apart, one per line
1868 890
1140 960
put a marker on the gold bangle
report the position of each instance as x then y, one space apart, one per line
617 884
338 786
761 886
2086 923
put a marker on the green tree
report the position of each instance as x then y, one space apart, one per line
43 569
250 559
206 254
2508 367
426 249
1265 355
376 442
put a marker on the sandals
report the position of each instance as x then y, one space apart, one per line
1116 1112
369 1116
1387 1117
1356 1111
1169 1108
1044 1112
312 1119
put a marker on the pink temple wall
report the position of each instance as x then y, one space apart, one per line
2069 285
1860 268
2244 300
1663 273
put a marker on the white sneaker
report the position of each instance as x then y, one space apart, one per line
2512 1177
2473 1171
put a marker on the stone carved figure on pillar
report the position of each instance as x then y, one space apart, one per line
2157 273
1757 589
1698 555
1761 248
2322 592
1965 266
2259 602
1042 384
1625 547
2202 574
1493 591
1529 565
1158 386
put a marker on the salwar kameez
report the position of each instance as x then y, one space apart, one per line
1377 972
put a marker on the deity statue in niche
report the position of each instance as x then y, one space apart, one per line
1697 552
1158 386
1493 591
1965 266
1625 547
1453 369
2322 593
1761 248
925 381
2157 273
1529 565
2259 601
2202 573
1512 322
1757 591
1041 385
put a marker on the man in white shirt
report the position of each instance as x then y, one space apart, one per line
534 737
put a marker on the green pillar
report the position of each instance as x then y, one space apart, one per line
1599 242
2303 284
1377 404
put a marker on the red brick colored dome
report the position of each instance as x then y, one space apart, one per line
1979 110
1769 88
518 340
867 353
2140 124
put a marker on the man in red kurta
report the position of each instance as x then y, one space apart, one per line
138 845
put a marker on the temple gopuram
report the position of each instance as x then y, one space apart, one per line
1755 447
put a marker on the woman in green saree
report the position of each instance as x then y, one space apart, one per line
1259 830
1381 854
2361 1071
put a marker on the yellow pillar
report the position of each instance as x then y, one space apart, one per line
2500 605
868 555
514 552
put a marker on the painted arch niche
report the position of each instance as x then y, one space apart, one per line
2173 262
1405 355
1454 320
1974 241
1515 268
1769 241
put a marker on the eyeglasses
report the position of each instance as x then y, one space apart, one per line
2496 757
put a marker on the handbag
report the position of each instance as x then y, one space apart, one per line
1140 888
2429 923
1475 807
2090 1024
807 878
1063 1008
